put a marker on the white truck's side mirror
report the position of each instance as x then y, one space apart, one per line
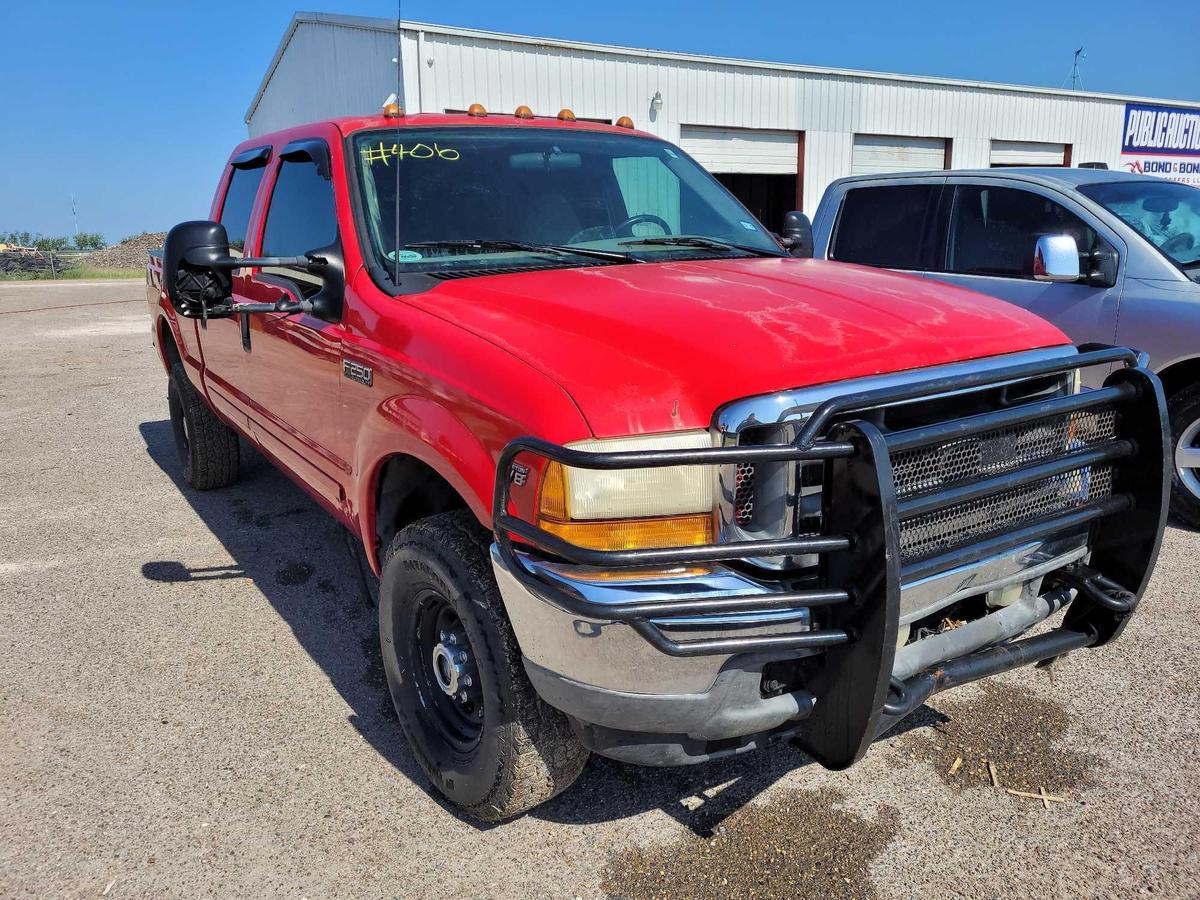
1056 258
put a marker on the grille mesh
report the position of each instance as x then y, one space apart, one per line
937 532
1002 450
743 493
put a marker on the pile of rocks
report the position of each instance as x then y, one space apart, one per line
129 254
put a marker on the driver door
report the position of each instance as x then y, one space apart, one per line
293 361
993 228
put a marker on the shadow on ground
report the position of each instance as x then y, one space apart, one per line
301 561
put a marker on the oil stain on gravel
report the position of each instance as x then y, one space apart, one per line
801 845
1019 732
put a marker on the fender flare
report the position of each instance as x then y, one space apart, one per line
427 431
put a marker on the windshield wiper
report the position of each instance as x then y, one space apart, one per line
500 244
706 243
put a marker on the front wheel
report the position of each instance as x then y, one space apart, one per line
1184 411
476 727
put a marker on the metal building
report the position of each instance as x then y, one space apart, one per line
776 134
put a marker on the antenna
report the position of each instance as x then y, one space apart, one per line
400 100
1076 78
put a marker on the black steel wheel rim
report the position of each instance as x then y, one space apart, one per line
445 674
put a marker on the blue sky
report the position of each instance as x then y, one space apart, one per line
134 106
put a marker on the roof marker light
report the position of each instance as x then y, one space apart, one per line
476 109
523 112
624 122
392 108
566 115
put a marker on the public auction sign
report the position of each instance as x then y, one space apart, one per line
1162 141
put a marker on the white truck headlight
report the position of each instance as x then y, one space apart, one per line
630 508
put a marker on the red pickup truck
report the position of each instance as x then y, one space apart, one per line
636 476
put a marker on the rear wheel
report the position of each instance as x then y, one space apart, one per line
207 447
476 726
1184 411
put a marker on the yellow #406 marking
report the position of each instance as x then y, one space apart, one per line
411 151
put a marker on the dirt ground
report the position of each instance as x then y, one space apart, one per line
191 703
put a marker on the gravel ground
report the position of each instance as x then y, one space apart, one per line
192 705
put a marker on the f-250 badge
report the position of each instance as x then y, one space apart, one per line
356 371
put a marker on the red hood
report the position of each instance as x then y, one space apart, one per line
656 347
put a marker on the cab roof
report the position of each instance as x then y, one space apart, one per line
349 125
1048 176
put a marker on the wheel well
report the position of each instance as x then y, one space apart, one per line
166 340
408 490
1180 375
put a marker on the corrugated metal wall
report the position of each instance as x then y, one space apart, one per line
338 70
326 71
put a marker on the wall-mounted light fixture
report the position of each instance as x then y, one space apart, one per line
656 101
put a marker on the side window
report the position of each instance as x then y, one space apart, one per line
301 216
239 201
648 187
889 226
993 230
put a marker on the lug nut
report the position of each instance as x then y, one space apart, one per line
463 696
467 681
453 638
441 635
463 657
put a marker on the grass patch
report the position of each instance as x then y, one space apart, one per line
74 273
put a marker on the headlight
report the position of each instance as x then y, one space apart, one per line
630 508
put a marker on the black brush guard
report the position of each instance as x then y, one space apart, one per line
861 571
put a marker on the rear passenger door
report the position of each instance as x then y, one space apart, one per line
992 228
220 339
893 225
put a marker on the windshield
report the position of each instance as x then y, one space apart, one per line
1163 212
485 198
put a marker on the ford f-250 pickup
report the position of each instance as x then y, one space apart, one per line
637 477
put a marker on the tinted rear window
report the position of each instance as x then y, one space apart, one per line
239 200
886 226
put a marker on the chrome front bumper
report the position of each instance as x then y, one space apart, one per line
611 655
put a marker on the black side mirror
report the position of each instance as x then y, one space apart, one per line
329 265
197 266
196 286
798 234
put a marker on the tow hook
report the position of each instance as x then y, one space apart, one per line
1095 587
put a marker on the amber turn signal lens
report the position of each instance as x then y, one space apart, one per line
616 534
635 534
552 499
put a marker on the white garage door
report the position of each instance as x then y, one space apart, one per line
883 153
745 150
1027 153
